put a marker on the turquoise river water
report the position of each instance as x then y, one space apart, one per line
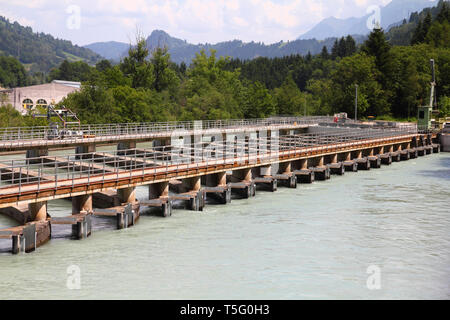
313 242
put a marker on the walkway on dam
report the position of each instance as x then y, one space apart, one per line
46 178
14 139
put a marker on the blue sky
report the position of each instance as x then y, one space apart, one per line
197 21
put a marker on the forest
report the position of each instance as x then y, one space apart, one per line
146 86
38 51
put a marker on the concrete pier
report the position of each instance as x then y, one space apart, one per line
337 168
126 215
286 176
404 155
36 153
363 164
262 178
375 161
190 191
321 173
413 153
421 151
81 225
125 146
158 194
386 159
305 176
436 148
396 156
38 211
217 188
240 182
82 228
83 149
351 166
127 195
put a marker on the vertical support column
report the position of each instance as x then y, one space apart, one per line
162 142
161 190
125 146
219 180
83 228
82 204
334 158
194 185
320 162
371 152
286 167
36 153
381 150
245 176
158 190
348 156
359 154
18 244
303 164
38 211
127 195
80 150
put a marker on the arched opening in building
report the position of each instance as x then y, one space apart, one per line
28 104
41 103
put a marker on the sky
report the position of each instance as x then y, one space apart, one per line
197 21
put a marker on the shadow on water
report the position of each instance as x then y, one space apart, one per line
442 173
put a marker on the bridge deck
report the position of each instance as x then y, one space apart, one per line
15 142
87 184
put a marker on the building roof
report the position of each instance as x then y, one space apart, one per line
68 83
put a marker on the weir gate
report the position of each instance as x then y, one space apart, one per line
187 162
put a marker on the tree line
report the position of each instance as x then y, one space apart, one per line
146 86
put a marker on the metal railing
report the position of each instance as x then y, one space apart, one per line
99 130
18 176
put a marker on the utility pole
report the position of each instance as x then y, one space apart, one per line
356 102
305 107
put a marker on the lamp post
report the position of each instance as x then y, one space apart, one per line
356 102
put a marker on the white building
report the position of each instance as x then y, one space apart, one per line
25 99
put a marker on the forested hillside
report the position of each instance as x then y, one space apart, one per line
405 33
39 52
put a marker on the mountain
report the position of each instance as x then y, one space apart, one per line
111 50
39 52
402 33
182 51
391 14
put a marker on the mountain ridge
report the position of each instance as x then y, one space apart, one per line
183 51
393 13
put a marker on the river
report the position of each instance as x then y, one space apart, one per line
313 242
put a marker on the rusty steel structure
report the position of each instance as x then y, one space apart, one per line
46 178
